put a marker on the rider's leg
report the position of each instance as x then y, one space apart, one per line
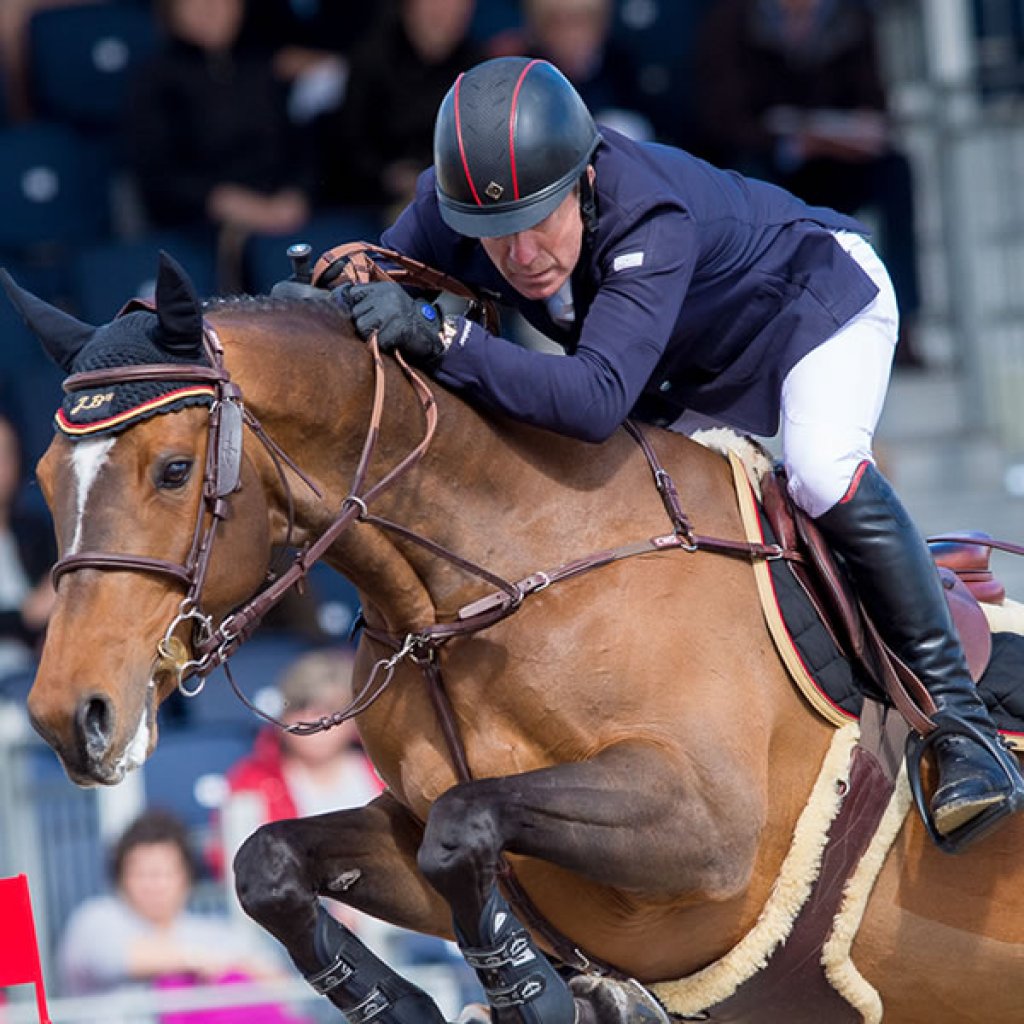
831 402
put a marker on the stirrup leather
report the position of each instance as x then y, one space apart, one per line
979 826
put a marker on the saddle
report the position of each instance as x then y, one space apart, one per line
963 566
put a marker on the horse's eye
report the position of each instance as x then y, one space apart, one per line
175 474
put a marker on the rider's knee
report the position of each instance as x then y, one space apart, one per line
820 472
269 872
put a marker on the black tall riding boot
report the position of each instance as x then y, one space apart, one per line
896 579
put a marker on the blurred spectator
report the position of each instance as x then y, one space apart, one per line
576 36
309 43
793 92
381 136
290 776
297 776
27 552
14 18
208 132
143 933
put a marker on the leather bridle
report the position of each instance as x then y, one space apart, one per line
213 645
220 479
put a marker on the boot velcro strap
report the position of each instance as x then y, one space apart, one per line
372 1006
331 976
515 995
515 951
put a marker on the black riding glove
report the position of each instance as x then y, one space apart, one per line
411 325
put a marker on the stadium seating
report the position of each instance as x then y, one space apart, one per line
336 600
257 667
185 774
82 58
494 17
56 189
30 385
106 276
661 37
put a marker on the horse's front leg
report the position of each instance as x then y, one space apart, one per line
365 858
631 817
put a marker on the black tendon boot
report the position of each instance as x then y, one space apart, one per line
363 987
520 983
979 779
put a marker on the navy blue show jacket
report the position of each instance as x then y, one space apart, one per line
700 289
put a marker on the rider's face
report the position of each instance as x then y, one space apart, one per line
537 262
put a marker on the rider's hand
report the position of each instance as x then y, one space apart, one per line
411 325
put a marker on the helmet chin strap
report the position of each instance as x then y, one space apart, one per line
588 204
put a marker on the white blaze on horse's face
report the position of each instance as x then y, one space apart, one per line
87 459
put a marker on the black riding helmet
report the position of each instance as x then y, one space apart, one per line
512 138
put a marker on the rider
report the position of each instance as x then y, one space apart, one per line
682 294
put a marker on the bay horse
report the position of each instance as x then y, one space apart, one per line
636 748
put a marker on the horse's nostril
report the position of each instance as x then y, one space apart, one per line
96 724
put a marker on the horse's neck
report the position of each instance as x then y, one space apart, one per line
473 492
511 499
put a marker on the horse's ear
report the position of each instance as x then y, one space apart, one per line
61 334
178 310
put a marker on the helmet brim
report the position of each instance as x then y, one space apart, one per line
493 222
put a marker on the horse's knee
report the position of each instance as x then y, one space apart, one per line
462 834
269 873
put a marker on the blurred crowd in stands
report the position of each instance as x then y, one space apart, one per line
224 130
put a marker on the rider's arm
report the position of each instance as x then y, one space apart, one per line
587 395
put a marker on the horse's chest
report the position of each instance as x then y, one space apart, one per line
421 767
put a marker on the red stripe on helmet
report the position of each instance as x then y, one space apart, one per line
512 127
462 148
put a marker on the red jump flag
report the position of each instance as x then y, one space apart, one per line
19 948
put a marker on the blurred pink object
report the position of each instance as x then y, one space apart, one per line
258 1014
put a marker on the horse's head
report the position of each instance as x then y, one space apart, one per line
124 479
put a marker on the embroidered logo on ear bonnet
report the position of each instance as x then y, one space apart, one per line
172 334
127 341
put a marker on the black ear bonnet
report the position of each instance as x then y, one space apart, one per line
171 335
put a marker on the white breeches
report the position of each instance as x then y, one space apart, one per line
832 398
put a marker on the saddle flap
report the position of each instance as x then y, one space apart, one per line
820 575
